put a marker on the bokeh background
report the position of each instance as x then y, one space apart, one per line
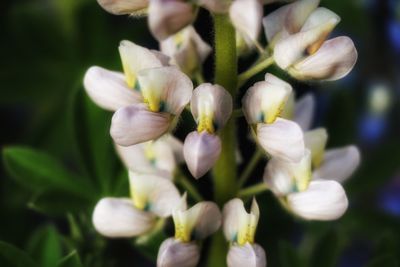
45 48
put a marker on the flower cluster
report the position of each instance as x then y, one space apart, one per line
156 87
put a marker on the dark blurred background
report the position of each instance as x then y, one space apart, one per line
45 49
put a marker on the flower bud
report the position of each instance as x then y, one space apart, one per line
323 200
264 101
108 89
187 50
211 106
136 124
118 217
338 164
282 139
249 255
167 17
121 7
315 141
174 253
201 151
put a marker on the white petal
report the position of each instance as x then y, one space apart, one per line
264 101
201 151
155 157
213 101
136 124
304 111
339 164
282 139
288 19
315 140
167 17
165 89
334 60
239 226
246 16
323 200
135 58
120 7
154 193
173 253
108 89
292 49
247 255
216 6
118 217
286 177
187 50
318 17
163 58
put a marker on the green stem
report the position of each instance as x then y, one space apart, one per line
243 77
224 171
189 187
257 156
199 77
253 190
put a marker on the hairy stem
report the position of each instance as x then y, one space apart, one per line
187 185
257 156
253 190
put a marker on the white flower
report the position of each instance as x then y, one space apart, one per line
174 253
249 255
151 197
315 140
153 157
211 107
121 7
166 91
300 111
239 228
167 17
246 17
299 42
312 200
186 49
199 221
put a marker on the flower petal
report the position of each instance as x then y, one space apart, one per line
187 50
153 157
201 151
264 101
165 89
136 124
250 255
315 140
154 193
211 104
246 17
288 19
135 58
323 200
108 89
167 17
282 139
339 164
292 49
173 253
304 111
120 7
176 146
334 60
216 6
118 217
287 177
239 226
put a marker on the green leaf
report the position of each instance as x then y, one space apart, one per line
40 172
91 127
45 246
11 256
71 260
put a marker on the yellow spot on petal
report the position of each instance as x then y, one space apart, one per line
130 76
139 199
247 229
206 114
